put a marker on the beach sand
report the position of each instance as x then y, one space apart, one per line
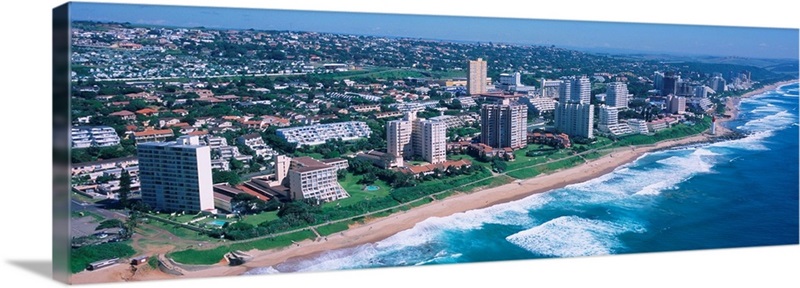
374 230
381 228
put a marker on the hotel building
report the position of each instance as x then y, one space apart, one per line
176 176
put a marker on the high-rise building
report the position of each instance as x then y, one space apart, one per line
504 125
411 136
510 81
609 115
677 105
398 138
617 94
701 91
717 83
609 121
551 88
432 139
476 77
313 179
176 176
575 90
658 82
576 120
670 85
684 88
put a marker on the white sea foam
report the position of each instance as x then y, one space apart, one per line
511 213
571 236
753 142
340 259
775 121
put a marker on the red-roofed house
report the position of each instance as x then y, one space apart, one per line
124 114
275 121
428 169
182 112
147 112
153 135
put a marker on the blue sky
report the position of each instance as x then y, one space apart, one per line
654 38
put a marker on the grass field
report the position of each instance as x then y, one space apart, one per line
260 218
180 231
523 173
332 228
81 257
356 191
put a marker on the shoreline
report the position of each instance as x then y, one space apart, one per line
377 229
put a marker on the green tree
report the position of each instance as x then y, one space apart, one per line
499 165
110 223
229 177
124 189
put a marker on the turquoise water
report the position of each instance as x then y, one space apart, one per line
738 193
219 223
373 188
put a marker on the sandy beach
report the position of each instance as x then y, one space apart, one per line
378 229
381 228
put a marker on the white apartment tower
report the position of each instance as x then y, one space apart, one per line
504 125
398 138
617 94
575 90
412 136
176 176
677 105
609 116
476 77
432 136
575 119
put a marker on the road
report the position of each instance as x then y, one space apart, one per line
77 206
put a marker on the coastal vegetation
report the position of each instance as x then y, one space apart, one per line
81 257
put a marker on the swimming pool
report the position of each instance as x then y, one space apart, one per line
372 188
218 223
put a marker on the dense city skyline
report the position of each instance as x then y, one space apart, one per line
592 36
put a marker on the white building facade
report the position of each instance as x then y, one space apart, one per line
176 176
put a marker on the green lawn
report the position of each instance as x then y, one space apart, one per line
260 218
82 198
81 257
523 173
356 191
180 231
595 155
332 228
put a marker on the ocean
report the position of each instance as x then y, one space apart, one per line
738 193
